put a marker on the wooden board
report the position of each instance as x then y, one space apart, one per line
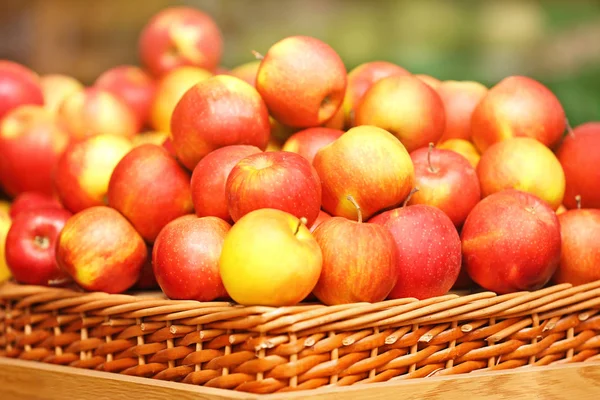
37 381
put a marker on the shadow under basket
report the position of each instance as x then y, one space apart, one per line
266 350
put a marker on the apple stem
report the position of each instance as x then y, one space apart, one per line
569 128
355 204
413 191
431 169
42 241
578 201
301 221
257 55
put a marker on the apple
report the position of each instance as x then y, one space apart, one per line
31 142
428 247
4 203
209 180
302 80
309 141
524 164
220 111
269 258
5 222
323 216
150 189
337 121
360 79
101 251
280 180
18 86
94 111
132 85
447 181
30 246
462 147
84 170
359 260
406 107
561 209
169 90
186 258
579 156
56 88
180 36
382 182
153 137
32 201
273 145
460 99
511 242
517 106
433 82
246 72
146 279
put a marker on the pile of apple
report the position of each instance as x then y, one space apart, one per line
288 179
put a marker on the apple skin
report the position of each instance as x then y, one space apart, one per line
580 254
433 82
20 86
561 209
359 262
101 250
360 79
524 164
84 170
323 216
579 155
132 85
56 88
32 140
246 72
209 180
302 80
220 111
309 141
460 99
180 36
32 201
150 189
425 267
452 185
186 258
5 222
147 280
462 147
94 111
511 242
383 182
269 259
153 137
406 107
31 246
280 180
517 106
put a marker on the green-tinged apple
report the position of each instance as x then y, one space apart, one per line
246 72
462 147
101 250
186 258
280 180
32 140
220 111
84 170
151 189
18 86
56 88
460 99
359 260
32 201
511 242
433 82
302 80
382 182
517 106
323 216
309 141
269 257
5 222
406 107
524 164
209 180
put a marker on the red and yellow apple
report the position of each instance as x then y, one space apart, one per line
32 201
152 137
460 99
5 222
323 216
309 141
56 88
18 86
433 82
462 147
246 72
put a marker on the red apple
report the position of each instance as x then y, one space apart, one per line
56 88
579 156
18 86
147 279
150 188
178 36
101 250
383 181
309 141
434 83
511 242
184 269
446 180
31 244
359 261
428 247
31 143
220 111
32 201
406 107
323 216
246 72
281 180
210 177
460 99
517 106
302 80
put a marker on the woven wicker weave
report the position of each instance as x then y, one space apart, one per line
266 350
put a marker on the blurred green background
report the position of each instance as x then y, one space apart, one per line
556 42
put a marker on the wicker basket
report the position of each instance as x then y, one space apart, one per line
267 350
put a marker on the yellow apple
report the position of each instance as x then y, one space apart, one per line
4 226
463 147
